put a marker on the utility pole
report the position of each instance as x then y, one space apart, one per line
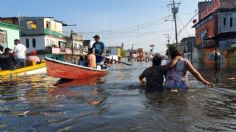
168 43
175 10
168 38
72 46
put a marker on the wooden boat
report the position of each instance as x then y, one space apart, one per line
28 70
63 83
61 69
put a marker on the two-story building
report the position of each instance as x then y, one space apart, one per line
8 33
37 33
113 52
187 46
216 30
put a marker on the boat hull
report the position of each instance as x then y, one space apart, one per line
60 69
29 70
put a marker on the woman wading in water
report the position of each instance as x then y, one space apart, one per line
177 77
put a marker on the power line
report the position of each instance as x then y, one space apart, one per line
188 22
130 28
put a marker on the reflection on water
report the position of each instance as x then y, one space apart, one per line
117 103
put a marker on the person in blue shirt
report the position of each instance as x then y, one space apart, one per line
99 48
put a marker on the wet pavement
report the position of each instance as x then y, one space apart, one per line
117 102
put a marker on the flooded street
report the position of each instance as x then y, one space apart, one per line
117 102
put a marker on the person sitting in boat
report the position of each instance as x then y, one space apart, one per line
33 57
177 77
91 59
1 49
83 60
107 62
155 74
99 49
7 60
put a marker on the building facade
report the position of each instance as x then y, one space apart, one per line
37 33
187 46
113 52
216 31
8 33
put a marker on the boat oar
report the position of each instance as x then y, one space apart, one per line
115 60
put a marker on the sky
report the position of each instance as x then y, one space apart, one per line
133 22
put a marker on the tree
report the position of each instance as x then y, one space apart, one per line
123 53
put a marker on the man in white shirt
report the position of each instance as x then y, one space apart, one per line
20 53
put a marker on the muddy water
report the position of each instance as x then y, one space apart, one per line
117 103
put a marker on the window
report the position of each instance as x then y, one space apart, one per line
231 22
48 42
62 46
48 25
27 43
224 21
3 37
31 25
203 35
34 43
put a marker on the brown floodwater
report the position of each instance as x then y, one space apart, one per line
117 102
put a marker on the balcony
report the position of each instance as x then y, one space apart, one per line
53 33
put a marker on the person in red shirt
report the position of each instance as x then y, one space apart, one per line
33 57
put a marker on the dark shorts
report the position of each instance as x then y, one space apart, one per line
20 63
99 59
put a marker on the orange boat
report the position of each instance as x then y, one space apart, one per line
61 69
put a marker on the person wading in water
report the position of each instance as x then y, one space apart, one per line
177 77
155 74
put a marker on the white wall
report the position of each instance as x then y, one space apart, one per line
49 41
226 28
40 42
77 44
54 25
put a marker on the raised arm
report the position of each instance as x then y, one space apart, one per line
142 76
172 63
197 75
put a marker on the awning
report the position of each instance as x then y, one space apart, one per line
233 45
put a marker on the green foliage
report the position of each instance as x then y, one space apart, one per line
123 53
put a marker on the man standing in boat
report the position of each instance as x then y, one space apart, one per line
20 53
99 49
